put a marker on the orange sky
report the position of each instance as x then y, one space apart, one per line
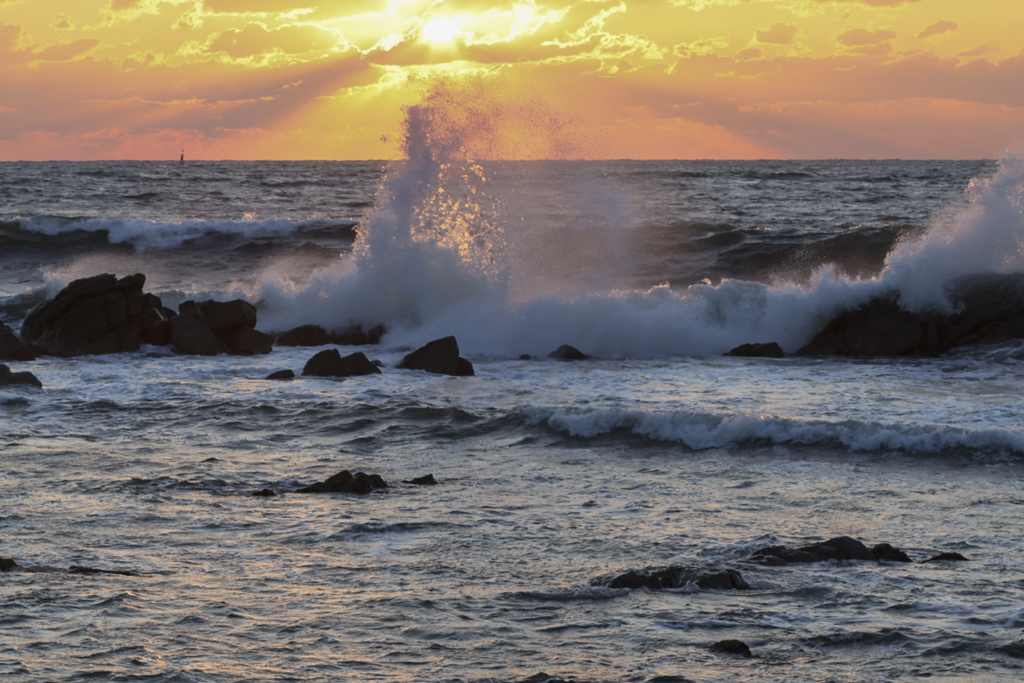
327 79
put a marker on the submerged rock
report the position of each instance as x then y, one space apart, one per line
440 356
8 378
769 350
346 482
731 647
75 569
675 576
12 347
7 564
425 480
282 374
566 352
264 493
839 548
947 557
95 315
329 363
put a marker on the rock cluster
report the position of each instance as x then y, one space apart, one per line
346 482
675 576
839 548
990 308
314 335
330 363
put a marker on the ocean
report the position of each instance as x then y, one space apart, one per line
656 451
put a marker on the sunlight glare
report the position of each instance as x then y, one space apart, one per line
441 31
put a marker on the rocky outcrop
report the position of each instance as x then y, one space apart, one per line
304 335
330 363
425 480
990 308
769 350
281 374
566 352
839 548
314 335
675 576
208 328
95 315
359 483
440 356
9 378
947 557
12 347
7 564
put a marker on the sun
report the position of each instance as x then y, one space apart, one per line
440 31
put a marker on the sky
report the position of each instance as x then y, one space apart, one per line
608 79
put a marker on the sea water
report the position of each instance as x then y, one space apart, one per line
658 450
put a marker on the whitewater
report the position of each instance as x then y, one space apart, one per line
658 450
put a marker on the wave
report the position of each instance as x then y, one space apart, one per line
703 431
441 253
141 234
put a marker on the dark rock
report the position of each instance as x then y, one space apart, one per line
193 337
675 576
190 308
887 553
304 335
7 377
769 350
526 356
542 677
245 341
7 564
731 647
282 374
75 569
990 308
228 315
95 315
947 557
158 334
426 480
264 493
12 347
345 482
566 352
839 548
440 356
329 363
357 335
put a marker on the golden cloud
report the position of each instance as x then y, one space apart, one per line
255 39
937 28
778 34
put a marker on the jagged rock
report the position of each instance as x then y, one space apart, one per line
990 308
732 647
346 482
193 337
440 356
158 334
425 480
566 352
8 378
357 335
7 564
282 374
95 315
264 493
304 335
12 347
769 350
947 557
675 576
839 548
329 363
